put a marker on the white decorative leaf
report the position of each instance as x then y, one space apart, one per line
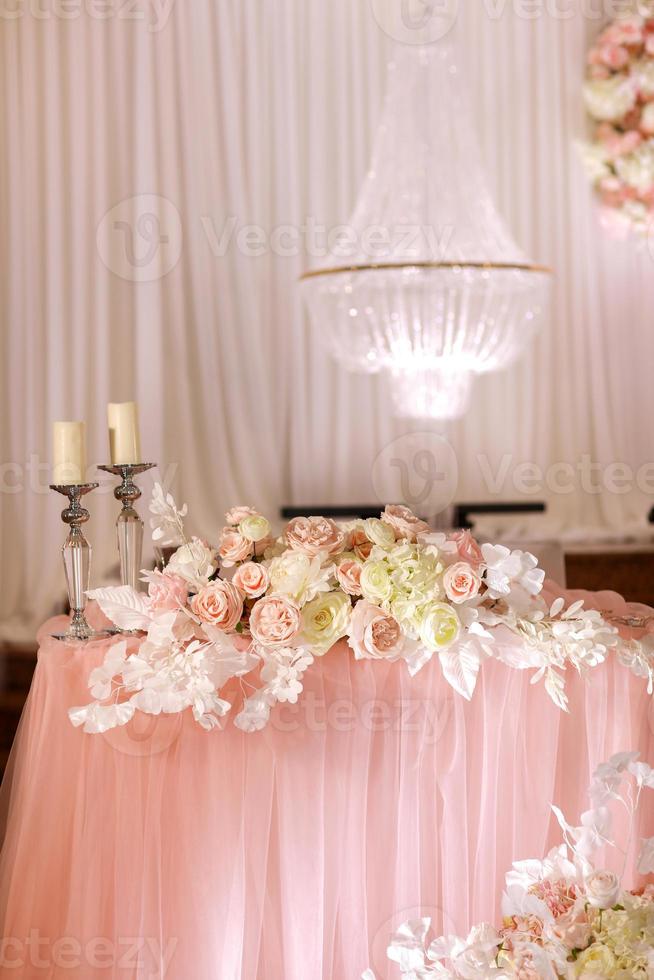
126 608
557 606
573 609
460 666
555 687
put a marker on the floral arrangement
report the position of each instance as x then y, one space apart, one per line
563 917
619 95
267 607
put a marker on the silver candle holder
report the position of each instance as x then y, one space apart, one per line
129 526
76 553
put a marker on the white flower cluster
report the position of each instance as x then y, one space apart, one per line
563 918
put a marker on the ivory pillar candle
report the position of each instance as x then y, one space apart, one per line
124 437
69 453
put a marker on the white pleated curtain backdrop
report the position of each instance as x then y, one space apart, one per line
263 112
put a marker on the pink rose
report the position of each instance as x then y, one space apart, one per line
403 521
360 543
614 56
167 591
234 547
275 620
573 929
313 535
252 579
349 577
219 604
461 582
237 514
468 549
374 634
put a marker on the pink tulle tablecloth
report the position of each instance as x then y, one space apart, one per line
161 850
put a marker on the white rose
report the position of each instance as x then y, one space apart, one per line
602 889
610 99
194 562
298 575
637 168
376 583
254 527
325 620
379 533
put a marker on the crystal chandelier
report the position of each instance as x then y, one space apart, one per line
428 284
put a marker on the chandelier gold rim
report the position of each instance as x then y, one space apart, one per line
389 266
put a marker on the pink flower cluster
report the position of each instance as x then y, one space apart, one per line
624 55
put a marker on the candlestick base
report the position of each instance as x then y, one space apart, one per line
129 526
76 555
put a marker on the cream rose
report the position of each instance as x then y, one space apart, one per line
376 582
373 634
461 582
602 889
325 620
349 576
254 527
439 627
403 521
251 579
234 547
314 534
238 514
219 604
595 962
379 533
194 562
275 620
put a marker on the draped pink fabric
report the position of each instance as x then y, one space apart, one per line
291 854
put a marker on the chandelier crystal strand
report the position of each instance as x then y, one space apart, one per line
434 289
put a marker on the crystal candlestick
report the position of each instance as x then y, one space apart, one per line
129 526
76 554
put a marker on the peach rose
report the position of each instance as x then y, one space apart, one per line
461 582
275 620
360 543
314 534
403 521
238 514
374 634
233 547
573 929
251 579
614 56
467 548
167 591
349 577
219 604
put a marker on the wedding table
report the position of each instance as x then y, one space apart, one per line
161 850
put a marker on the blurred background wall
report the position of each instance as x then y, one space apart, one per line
165 169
